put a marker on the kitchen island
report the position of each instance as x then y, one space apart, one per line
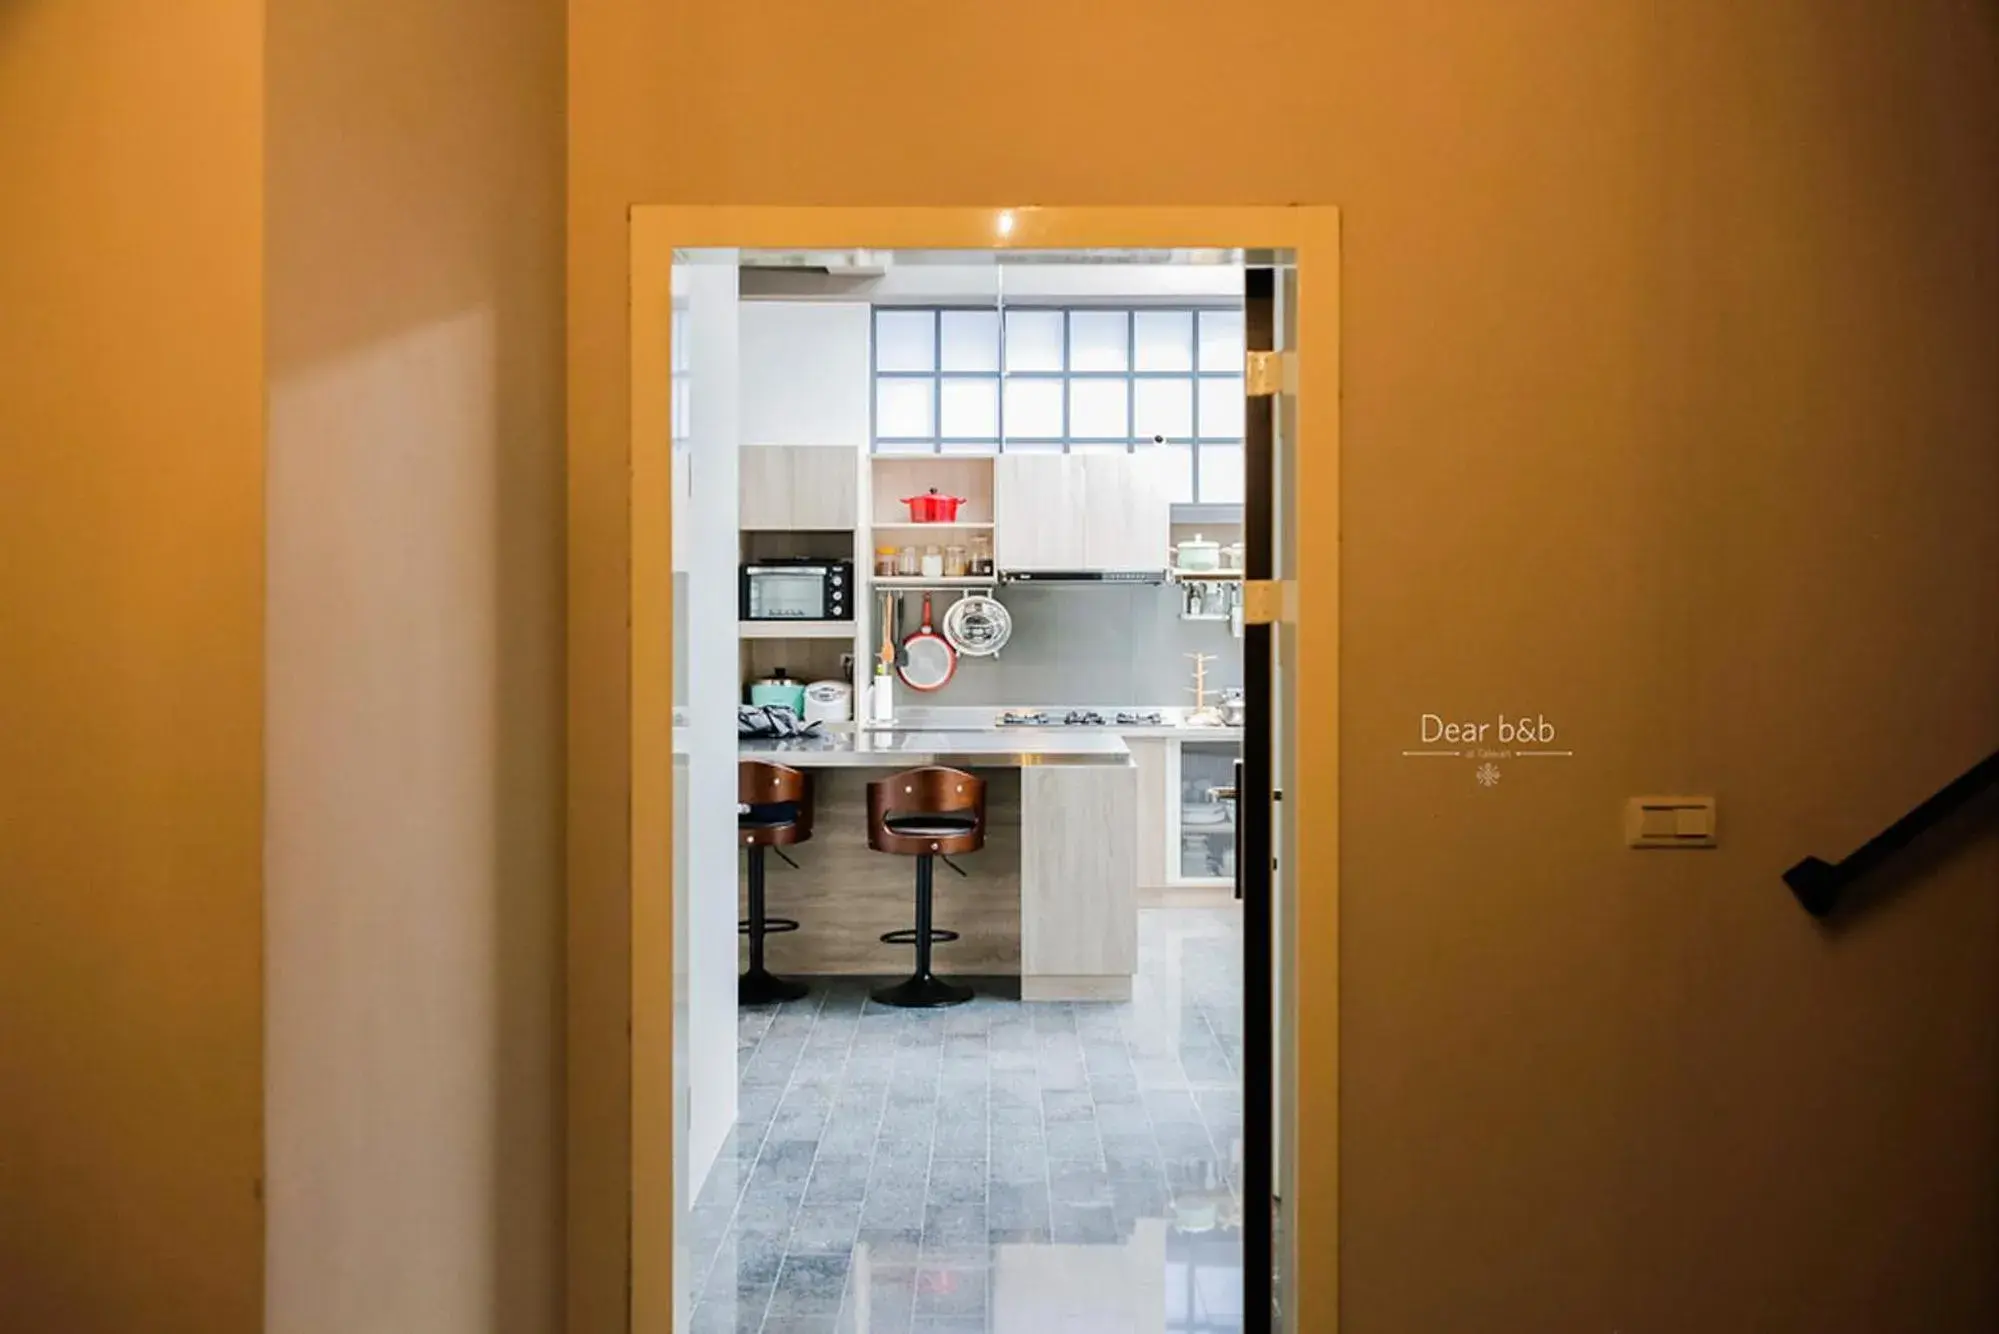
1051 899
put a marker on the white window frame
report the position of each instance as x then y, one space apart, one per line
935 377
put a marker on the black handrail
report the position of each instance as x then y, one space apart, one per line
1820 885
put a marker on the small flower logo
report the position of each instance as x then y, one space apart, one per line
1487 775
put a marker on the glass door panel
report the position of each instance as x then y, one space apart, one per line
1207 816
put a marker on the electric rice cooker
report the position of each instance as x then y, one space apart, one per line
829 702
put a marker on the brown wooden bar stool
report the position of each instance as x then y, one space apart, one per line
926 814
776 811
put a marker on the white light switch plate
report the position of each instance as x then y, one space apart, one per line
1669 822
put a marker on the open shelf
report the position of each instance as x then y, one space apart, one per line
1206 574
917 581
897 475
795 629
1224 515
985 524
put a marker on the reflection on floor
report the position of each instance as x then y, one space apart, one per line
999 1167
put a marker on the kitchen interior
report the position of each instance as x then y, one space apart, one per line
986 528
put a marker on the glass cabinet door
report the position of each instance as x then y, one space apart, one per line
1207 821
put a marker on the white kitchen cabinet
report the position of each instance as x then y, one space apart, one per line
1039 512
1080 512
788 488
1201 826
1186 838
1150 760
806 377
1130 512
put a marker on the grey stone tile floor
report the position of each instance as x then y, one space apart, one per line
1000 1167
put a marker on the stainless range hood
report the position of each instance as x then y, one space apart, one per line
1083 576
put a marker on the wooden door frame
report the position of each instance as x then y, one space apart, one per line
633 1196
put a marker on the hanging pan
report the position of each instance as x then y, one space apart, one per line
928 660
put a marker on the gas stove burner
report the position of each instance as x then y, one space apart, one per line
1081 718
1018 718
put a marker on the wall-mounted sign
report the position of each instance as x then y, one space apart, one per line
1486 742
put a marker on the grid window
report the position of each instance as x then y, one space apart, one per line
970 340
979 381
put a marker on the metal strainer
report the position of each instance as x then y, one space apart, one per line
977 625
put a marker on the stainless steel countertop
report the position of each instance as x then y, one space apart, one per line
985 718
993 749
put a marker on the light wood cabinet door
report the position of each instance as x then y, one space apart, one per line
764 475
824 484
787 488
1078 873
1038 512
1129 526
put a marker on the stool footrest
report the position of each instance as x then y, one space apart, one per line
773 926
909 936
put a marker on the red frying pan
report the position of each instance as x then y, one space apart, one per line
928 660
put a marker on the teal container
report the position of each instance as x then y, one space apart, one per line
779 688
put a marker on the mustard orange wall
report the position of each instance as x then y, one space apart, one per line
1668 338
414 638
131 532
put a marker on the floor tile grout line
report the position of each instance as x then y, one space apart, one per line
1237 1081
846 1070
818 1013
1191 1001
1047 1154
930 1165
1096 1111
700 1285
881 1119
1186 1083
790 1082
987 1201
1186 1029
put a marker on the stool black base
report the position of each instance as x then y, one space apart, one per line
923 992
924 989
758 985
762 987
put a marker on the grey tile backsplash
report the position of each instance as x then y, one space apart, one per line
1083 644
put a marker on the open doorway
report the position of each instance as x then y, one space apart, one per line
966 543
